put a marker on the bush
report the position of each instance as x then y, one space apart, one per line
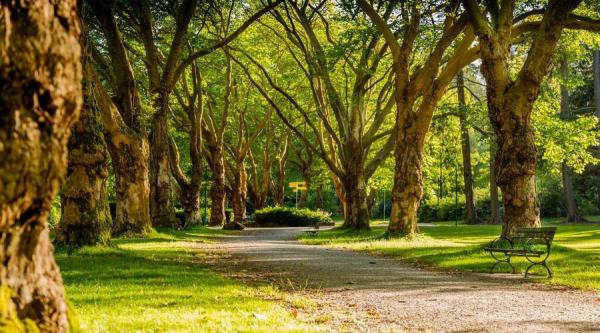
291 217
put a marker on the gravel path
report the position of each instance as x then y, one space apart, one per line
361 292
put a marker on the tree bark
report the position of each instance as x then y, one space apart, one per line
355 190
40 99
566 173
495 217
217 187
597 82
465 140
408 180
123 130
240 191
319 197
162 209
85 218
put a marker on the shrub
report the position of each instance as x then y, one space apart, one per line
291 217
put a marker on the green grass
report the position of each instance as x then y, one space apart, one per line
575 258
159 284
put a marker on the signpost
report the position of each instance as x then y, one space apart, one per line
298 186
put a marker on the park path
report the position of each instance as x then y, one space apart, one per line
362 292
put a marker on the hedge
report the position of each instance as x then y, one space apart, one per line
290 217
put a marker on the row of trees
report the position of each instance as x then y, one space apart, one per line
163 90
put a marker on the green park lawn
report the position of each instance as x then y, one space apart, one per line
575 258
159 284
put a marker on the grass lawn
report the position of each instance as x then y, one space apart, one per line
159 284
575 258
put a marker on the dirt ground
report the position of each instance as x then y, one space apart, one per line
361 292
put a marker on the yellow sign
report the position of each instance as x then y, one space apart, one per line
298 186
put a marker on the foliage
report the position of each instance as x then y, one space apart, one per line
292 217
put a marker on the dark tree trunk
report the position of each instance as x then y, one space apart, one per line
566 173
597 82
40 99
471 215
162 209
239 194
217 186
85 218
319 197
495 217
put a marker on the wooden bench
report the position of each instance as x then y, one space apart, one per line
532 243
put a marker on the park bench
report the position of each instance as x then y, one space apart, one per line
532 243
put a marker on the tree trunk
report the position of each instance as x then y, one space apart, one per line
319 197
515 169
408 178
471 215
162 209
129 155
40 99
123 131
238 200
566 173
597 82
495 217
304 194
85 218
279 190
217 187
355 189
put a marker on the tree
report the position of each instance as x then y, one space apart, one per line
346 120
40 99
566 172
465 140
239 147
417 90
189 117
122 125
85 217
510 100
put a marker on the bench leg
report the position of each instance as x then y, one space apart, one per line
543 264
507 260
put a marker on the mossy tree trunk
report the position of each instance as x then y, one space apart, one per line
40 100
85 218
123 129
217 186
416 94
510 101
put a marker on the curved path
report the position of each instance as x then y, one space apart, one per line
362 292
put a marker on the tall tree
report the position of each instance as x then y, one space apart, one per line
40 99
465 140
161 76
347 119
247 131
417 91
123 128
566 172
85 217
188 117
510 98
